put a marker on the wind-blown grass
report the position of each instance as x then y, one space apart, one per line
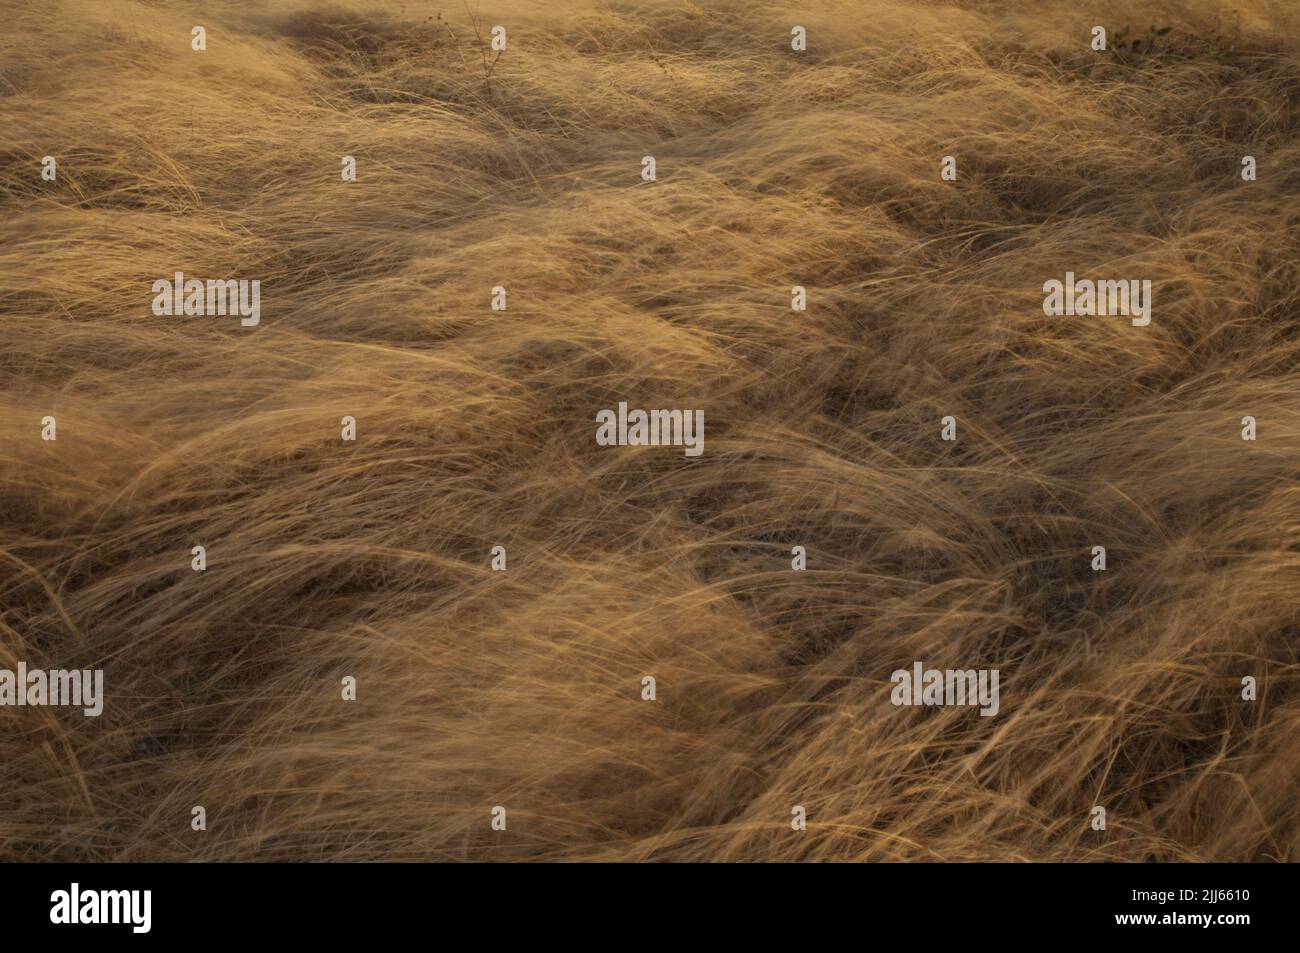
476 428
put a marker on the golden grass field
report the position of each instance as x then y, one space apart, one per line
475 428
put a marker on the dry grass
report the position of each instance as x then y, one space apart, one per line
476 428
